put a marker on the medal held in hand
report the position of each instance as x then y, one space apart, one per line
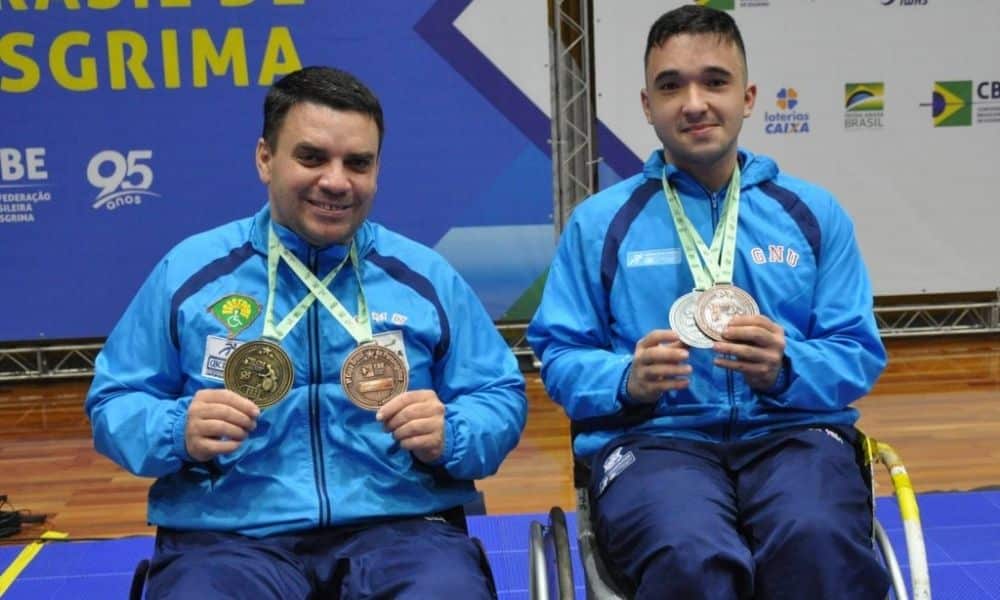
682 321
373 375
717 306
700 317
259 371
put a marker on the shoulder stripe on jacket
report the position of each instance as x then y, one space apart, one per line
619 227
799 212
213 270
420 284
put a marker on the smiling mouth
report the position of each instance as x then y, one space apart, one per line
331 206
697 128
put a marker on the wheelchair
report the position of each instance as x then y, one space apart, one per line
551 568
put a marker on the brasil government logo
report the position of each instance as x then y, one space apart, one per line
951 103
236 312
864 105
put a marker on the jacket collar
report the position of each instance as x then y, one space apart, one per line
333 253
754 170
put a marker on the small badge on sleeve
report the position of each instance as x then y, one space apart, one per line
236 312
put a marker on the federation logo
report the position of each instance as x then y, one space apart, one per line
236 312
123 179
951 103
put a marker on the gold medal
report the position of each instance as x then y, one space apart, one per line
260 371
373 375
718 305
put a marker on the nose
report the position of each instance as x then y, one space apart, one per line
695 103
333 178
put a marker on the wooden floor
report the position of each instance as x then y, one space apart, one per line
938 404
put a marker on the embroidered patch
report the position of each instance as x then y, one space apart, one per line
614 464
217 350
653 258
236 312
393 340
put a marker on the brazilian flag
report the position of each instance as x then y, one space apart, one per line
718 4
952 103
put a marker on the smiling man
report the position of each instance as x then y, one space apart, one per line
303 444
708 323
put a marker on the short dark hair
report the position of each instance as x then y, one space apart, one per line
694 19
325 86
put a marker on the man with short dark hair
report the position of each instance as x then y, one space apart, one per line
313 393
707 323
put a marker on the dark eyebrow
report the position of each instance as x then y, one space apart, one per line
307 147
674 73
369 156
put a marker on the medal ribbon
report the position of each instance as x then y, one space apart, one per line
358 327
709 266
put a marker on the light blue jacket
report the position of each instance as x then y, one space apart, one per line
314 459
619 267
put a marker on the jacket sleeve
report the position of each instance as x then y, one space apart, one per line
479 382
135 403
571 331
840 355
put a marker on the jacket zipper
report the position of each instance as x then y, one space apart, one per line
730 387
315 378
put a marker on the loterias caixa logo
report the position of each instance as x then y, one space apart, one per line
124 179
789 119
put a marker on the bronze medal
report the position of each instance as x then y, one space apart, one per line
373 375
260 371
718 305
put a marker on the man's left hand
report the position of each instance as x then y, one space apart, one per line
416 419
754 346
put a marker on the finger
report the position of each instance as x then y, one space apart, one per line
401 402
217 429
667 384
743 366
657 337
418 428
429 408
222 412
421 442
659 372
228 398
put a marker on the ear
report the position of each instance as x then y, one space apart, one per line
262 158
644 97
749 98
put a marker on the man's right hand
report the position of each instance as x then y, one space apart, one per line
217 423
658 366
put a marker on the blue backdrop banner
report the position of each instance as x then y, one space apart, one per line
131 124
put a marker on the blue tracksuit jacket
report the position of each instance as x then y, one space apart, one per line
315 459
619 267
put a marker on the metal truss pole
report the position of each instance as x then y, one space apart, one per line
571 60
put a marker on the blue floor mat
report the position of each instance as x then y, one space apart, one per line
961 530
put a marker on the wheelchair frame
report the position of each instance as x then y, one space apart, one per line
551 569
